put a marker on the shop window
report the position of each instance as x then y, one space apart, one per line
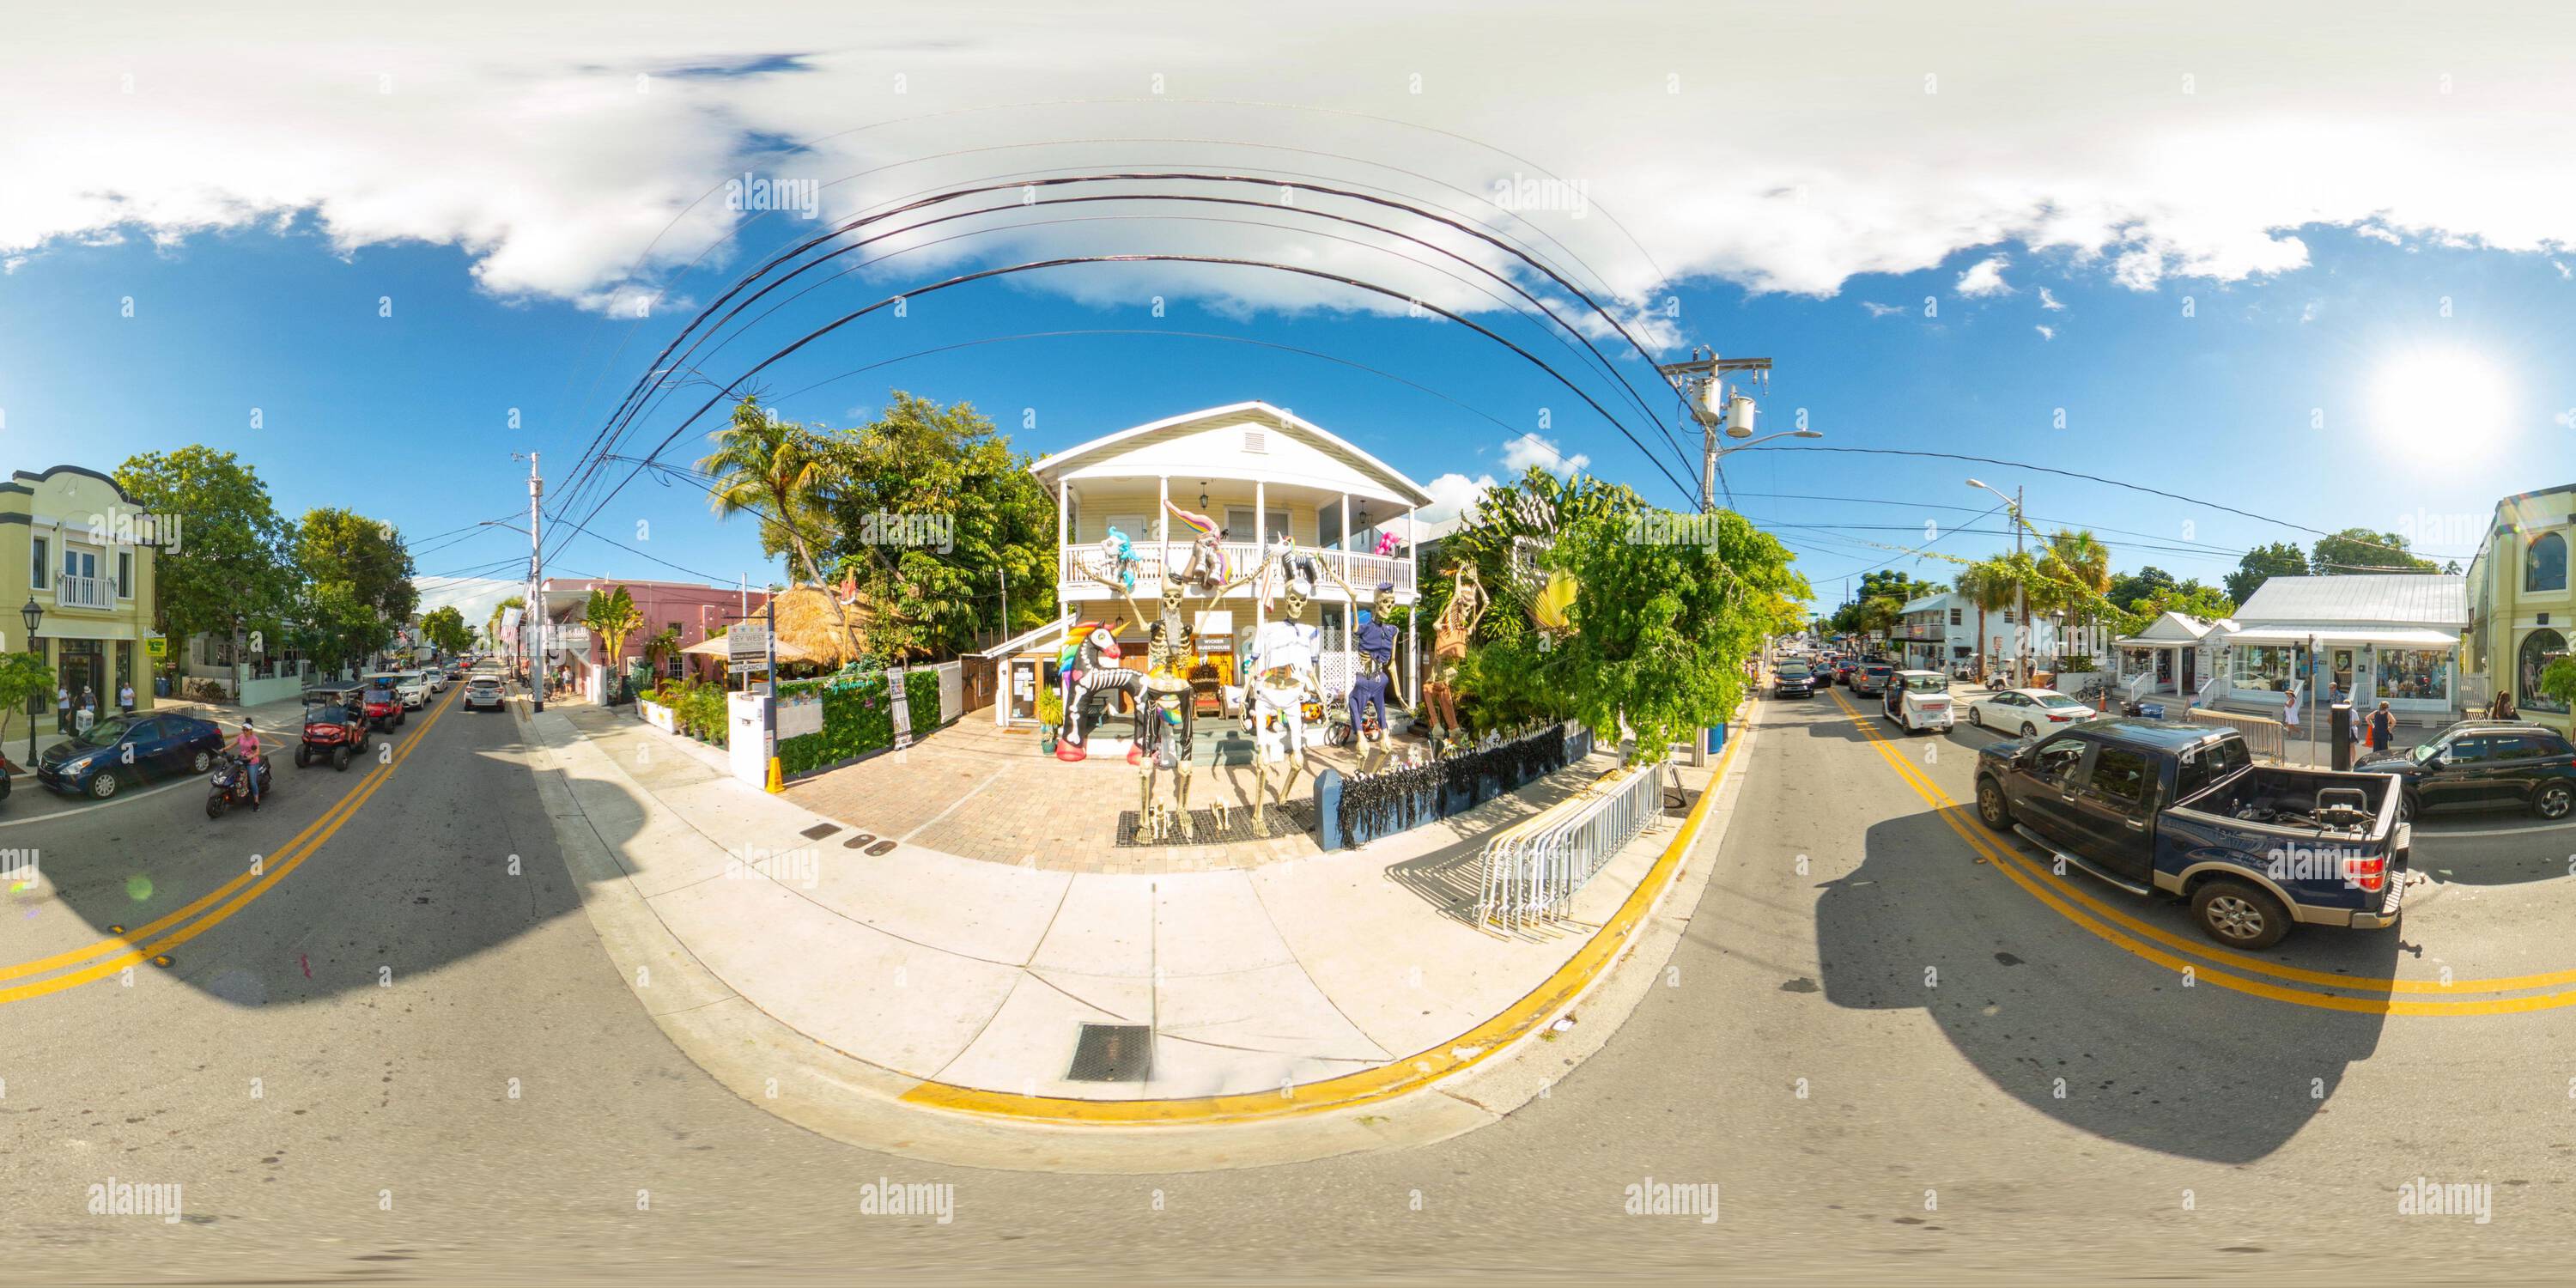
2539 649
2422 674
2544 563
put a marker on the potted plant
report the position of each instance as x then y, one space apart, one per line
1050 719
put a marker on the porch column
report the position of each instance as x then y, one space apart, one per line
1163 519
1260 550
1412 638
1063 503
1350 614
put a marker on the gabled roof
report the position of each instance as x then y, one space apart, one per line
2178 628
2417 599
1102 448
1937 599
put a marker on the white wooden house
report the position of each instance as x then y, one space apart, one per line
1257 471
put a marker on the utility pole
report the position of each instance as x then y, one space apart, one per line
536 610
1716 407
2021 590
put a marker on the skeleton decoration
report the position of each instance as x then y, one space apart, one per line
1376 680
1283 681
1166 711
1449 648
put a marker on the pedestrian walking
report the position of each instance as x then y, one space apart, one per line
2290 713
62 709
125 699
2383 728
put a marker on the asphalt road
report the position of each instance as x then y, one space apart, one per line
408 1058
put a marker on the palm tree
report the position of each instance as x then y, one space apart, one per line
769 467
613 614
1991 586
2076 568
662 648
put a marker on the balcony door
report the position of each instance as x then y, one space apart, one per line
80 586
1238 525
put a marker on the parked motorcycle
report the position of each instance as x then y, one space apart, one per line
230 784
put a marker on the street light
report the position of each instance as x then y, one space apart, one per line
1786 433
2021 591
33 615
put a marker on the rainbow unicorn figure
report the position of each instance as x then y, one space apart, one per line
1208 567
1120 554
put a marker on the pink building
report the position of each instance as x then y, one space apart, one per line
696 610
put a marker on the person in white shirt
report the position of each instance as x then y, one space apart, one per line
125 699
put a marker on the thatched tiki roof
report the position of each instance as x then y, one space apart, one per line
807 620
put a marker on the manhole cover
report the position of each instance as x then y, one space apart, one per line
1113 1053
820 830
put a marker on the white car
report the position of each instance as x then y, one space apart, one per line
433 677
482 691
1917 700
2027 712
413 688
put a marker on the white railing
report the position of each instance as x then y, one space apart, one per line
1534 869
84 592
1153 558
2137 686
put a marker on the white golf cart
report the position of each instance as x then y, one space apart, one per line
1918 700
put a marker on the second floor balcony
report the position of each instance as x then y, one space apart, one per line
84 592
1152 560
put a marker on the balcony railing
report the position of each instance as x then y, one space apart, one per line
1362 571
84 592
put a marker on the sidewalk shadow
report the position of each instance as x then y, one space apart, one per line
1451 877
2031 999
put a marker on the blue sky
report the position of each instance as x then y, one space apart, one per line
406 416
2330 298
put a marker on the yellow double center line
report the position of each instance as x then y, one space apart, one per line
109 956
2140 939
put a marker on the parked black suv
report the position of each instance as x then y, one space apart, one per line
2485 764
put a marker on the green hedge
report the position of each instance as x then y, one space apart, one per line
858 717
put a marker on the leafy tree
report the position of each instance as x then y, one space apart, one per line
1889 583
2191 599
2128 590
231 574
23 676
1661 631
965 511
2362 550
1513 521
664 646
333 625
2261 564
2558 681
368 555
445 630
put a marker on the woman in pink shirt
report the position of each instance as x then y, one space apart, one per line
246 746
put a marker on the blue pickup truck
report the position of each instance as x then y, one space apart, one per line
2183 810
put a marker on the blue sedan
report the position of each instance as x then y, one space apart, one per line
128 749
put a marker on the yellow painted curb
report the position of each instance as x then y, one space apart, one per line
2034 879
1413 1073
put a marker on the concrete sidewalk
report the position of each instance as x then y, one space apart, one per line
969 976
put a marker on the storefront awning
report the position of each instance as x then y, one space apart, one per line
2418 637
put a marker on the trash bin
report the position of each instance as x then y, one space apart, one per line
160 686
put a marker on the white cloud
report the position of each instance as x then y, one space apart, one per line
2046 332
572 158
1882 310
2563 273
2048 301
2308 311
1453 495
1985 277
1529 449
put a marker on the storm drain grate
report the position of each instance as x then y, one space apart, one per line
819 831
1113 1053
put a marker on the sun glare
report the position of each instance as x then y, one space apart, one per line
2439 403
